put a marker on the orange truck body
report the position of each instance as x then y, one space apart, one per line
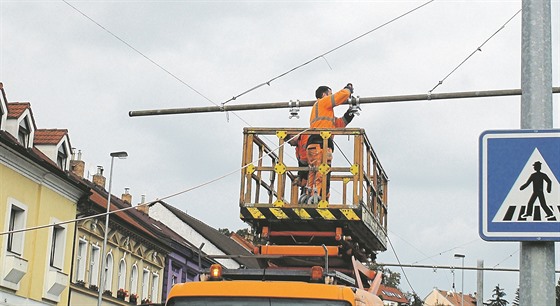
286 290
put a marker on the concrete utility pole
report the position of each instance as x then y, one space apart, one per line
480 282
536 278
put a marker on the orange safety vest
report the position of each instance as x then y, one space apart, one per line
301 149
322 113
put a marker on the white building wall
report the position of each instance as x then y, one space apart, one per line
163 215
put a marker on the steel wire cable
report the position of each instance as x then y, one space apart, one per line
402 268
328 52
479 48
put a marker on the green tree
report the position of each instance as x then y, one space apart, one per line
516 298
244 232
497 297
224 231
390 278
414 299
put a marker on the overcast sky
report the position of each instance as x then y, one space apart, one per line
86 73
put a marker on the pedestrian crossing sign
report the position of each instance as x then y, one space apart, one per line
519 189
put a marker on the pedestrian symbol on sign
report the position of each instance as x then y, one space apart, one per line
521 202
537 179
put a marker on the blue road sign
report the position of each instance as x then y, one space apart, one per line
519 190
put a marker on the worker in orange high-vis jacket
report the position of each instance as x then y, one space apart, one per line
322 116
300 142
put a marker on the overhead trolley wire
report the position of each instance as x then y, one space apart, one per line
148 58
138 51
401 266
328 52
479 48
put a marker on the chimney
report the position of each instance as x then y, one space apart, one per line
126 196
98 178
143 208
77 164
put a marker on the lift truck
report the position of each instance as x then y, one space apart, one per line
308 254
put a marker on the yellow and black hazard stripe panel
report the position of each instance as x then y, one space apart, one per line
282 213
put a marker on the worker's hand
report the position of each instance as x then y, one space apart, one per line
350 87
349 115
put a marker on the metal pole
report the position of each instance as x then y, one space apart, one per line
536 278
462 256
362 100
200 260
463 282
104 263
480 282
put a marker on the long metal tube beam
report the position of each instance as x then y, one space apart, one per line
366 100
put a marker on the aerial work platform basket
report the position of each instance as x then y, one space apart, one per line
353 218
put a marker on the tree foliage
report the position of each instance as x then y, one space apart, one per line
390 278
244 232
224 231
497 297
414 299
516 298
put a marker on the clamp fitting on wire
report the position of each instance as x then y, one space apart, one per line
294 110
354 105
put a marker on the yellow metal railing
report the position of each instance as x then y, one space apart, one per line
270 168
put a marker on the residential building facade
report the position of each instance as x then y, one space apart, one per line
392 296
134 256
35 191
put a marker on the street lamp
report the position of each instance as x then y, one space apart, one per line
120 155
462 256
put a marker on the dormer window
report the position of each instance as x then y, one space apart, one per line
23 133
62 157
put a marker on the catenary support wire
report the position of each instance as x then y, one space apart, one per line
479 48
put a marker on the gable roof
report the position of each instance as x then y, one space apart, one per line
99 197
16 109
227 245
41 159
248 245
455 298
391 294
49 136
169 236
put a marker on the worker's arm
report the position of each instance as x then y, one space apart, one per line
329 102
343 122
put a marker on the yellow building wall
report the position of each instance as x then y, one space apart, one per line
43 205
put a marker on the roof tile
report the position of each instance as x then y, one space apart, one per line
15 109
49 136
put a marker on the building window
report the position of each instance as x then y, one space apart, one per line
175 274
155 284
16 222
81 261
94 266
58 239
145 283
122 274
109 272
134 280
62 157
23 132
